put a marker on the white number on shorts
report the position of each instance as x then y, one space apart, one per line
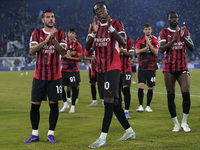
72 79
128 77
153 79
107 85
59 89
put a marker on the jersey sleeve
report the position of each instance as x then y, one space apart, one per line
86 53
119 27
130 46
34 38
187 35
137 44
162 36
79 48
156 41
62 38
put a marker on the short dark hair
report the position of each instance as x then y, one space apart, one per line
146 25
45 11
72 30
100 3
171 12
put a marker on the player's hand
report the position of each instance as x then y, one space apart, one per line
68 56
95 24
183 29
121 49
53 33
147 39
108 20
93 58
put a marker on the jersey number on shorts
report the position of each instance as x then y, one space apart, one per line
59 89
153 79
72 79
128 77
106 85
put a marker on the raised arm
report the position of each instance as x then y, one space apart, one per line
151 47
188 41
166 46
90 37
120 37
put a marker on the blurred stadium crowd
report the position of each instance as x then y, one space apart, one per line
18 18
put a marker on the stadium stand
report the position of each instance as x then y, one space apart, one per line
19 18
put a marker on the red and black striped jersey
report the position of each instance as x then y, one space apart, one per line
175 58
125 61
48 60
147 59
107 47
72 65
92 63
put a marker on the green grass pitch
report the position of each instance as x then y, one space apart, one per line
77 131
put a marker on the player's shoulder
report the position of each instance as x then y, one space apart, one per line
113 22
140 39
165 29
154 37
37 30
129 38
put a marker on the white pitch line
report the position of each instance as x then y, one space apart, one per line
166 93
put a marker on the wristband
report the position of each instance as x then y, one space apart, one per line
111 29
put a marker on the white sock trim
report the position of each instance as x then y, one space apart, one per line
50 132
126 110
129 130
35 132
175 120
103 136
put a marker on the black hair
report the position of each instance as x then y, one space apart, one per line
45 11
146 25
100 3
171 12
72 30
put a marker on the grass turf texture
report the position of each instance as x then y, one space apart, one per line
77 131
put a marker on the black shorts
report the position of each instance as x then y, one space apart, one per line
133 68
148 76
125 79
70 79
43 88
178 73
92 79
108 84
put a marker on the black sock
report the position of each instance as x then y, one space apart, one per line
35 116
53 116
149 97
171 105
121 116
93 91
107 117
68 93
140 95
127 97
63 95
186 102
75 92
